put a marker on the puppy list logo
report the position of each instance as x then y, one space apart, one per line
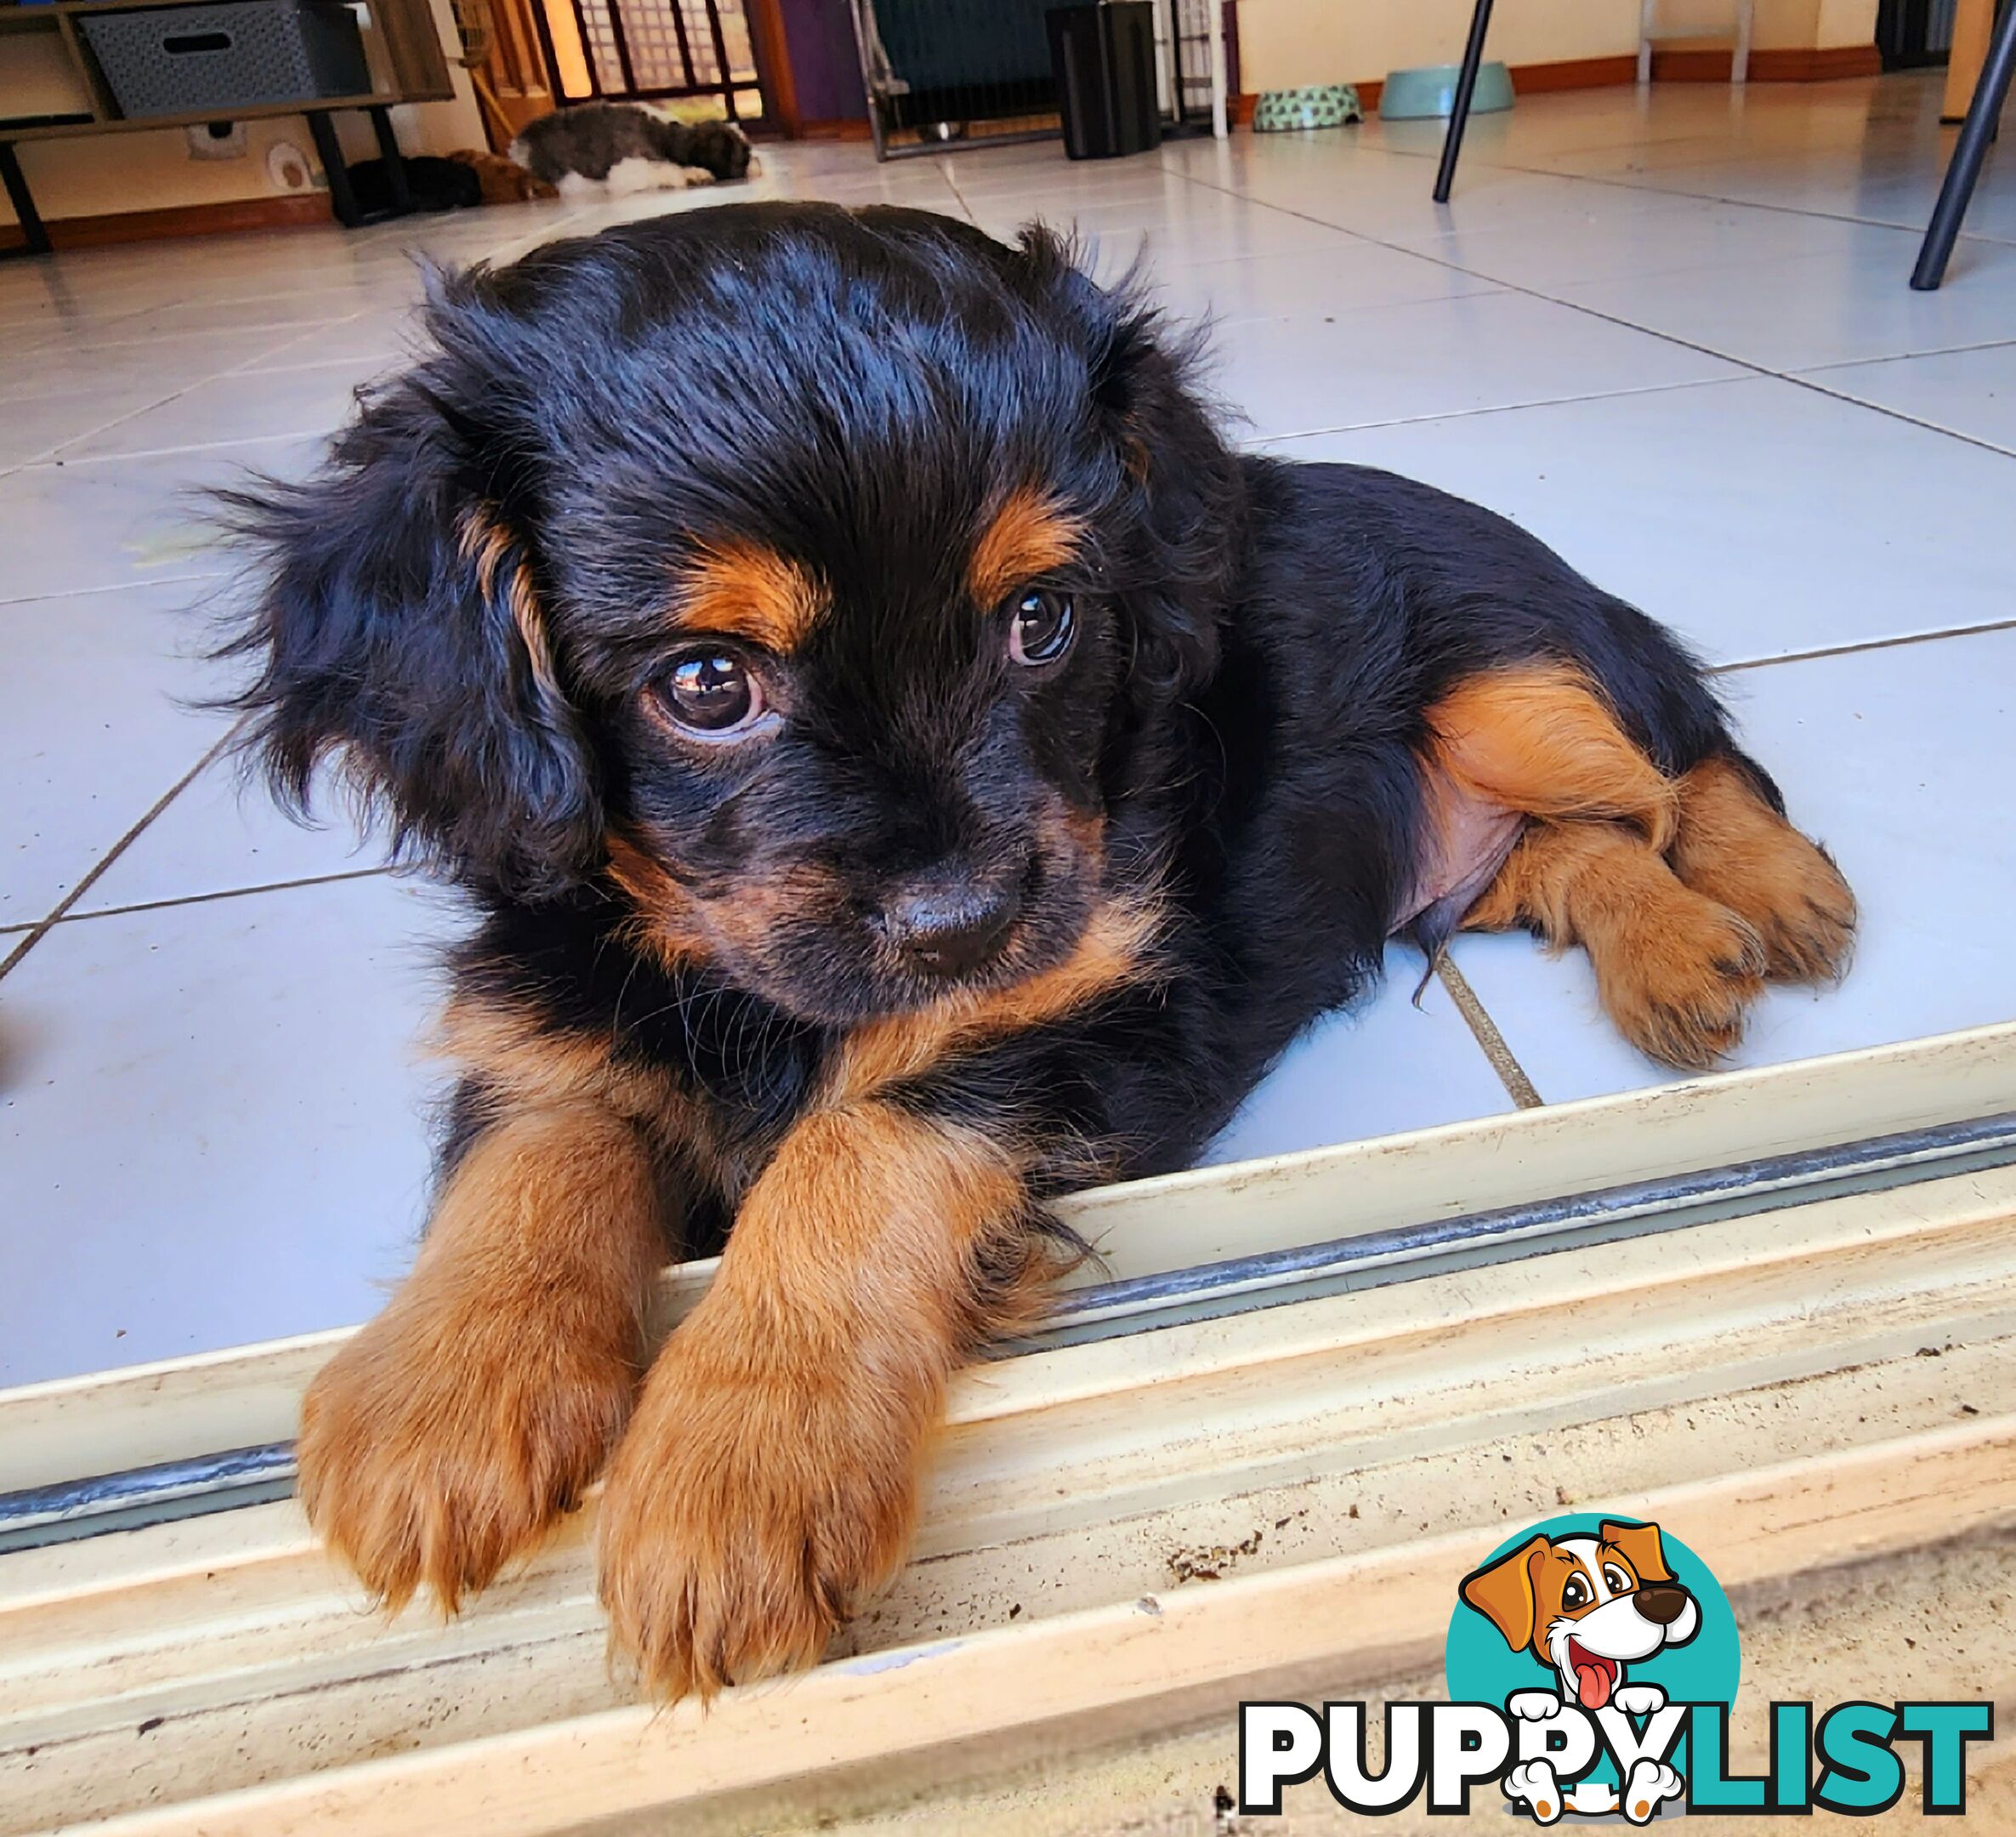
1591 1662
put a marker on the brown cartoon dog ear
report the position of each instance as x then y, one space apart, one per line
1503 1592
1642 1548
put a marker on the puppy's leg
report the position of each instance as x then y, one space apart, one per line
1676 971
1676 968
769 1477
1538 740
1735 848
443 1438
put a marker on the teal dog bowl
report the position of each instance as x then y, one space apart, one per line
1319 105
1422 94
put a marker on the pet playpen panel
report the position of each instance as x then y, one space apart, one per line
941 74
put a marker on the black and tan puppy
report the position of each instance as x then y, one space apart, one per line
906 765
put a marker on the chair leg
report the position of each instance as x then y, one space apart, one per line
35 236
1459 113
1968 152
1648 18
1739 68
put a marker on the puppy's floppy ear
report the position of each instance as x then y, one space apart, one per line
1503 1592
1643 1548
398 631
1188 491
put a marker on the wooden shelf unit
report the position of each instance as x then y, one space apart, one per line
405 53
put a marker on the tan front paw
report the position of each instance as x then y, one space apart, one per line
434 1447
1680 986
1809 924
747 1513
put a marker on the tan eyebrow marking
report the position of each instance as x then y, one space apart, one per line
1029 535
749 591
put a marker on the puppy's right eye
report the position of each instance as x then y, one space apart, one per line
1574 1593
712 694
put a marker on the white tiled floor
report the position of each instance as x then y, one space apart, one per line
1669 333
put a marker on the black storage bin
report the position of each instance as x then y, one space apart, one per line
1104 57
176 60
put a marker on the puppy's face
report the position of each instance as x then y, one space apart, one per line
857 788
1586 1606
809 579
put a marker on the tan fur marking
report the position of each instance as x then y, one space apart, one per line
1028 537
444 1438
528 1065
666 919
770 1478
1539 741
487 545
1735 849
1676 971
748 591
1110 953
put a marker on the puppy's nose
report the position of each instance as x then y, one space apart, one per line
949 928
1661 1602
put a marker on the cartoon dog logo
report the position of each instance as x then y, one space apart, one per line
1587 1607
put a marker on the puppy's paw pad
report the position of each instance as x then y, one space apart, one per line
1639 1699
1680 992
742 1523
420 1471
1649 1785
1534 1785
1812 936
1533 1706
1737 850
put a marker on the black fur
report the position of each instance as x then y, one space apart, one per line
1258 643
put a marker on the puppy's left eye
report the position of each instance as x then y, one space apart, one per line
712 694
1044 624
1616 1581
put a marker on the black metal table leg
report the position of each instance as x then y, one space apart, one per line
395 181
34 233
1459 113
343 202
1990 91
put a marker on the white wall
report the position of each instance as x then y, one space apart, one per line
1283 43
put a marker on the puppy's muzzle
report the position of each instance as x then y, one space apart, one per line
950 925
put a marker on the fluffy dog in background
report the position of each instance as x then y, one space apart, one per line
617 148
906 766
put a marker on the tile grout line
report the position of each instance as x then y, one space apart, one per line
1268 440
1858 648
37 932
1863 363
1511 1074
112 586
223 893
1792 377
57 463
1917 231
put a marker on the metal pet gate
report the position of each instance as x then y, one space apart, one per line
653 50
941 74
